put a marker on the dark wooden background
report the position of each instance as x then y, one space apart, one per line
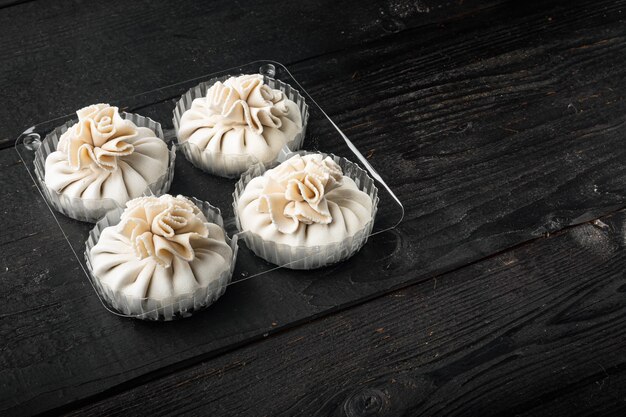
500 125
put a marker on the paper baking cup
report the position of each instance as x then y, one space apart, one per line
170 308
308 257
92 209
233 165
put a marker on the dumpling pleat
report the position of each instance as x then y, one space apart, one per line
134 172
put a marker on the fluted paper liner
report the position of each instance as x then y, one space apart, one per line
308 257
92 209
179 306
233 165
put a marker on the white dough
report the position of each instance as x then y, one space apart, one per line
163 248
241 117
105 156
305 201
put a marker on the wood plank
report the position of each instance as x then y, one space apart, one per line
10 3
58 57
538 330
510 110
473 194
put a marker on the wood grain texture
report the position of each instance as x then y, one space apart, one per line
513 130
63 55
472 124
538 330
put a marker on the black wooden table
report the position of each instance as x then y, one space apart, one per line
500 125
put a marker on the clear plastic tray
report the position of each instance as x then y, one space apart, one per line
322 135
